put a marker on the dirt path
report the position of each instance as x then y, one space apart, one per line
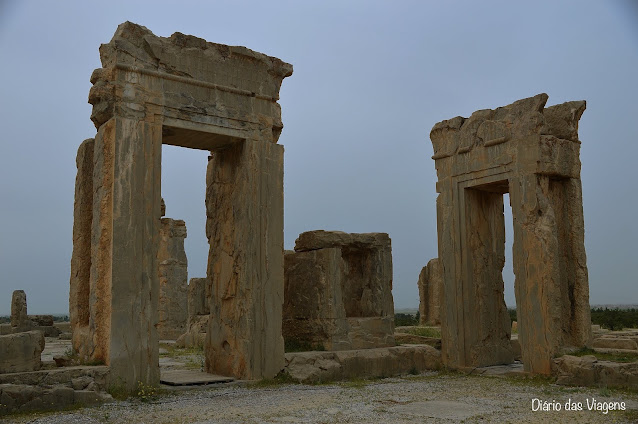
435 398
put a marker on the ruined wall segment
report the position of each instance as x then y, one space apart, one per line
430 285
338 290
173 279
531 152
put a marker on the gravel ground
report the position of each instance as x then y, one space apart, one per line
428 398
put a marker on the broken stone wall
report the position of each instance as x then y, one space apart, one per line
198 313
430 285
173 280
338 290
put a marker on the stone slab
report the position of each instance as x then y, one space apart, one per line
442 410
191 378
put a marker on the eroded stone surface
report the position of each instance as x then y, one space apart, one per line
21 351
338 291
19 319
313 367
532 153
430 293
588 371
188 92
173 279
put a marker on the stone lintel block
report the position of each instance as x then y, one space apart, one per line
21 351
320 239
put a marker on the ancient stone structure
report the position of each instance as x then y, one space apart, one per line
21 351
430 293
19 319
199 290
173 280
187 92
532 153
338 291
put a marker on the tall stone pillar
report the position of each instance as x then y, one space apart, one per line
19 318
244 205
81 257
431 293
173 280
124 280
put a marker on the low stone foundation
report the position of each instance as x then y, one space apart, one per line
53 389
314 367
21 351
588 371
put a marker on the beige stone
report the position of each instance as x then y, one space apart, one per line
615 343
588 371
338 291
314 367
81 257
532 152
21 352
244 206
199 290
173 280
19 319
313 309
430 293
187 92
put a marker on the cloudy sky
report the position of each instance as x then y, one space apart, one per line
370 80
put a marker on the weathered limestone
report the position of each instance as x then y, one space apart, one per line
532 152
244 207
198 313
338 291
19 318
430 293
315 367
187 92
21 351
589 371
79 293
314 312
173 280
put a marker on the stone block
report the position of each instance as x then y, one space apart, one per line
19 318
371 332
588 371
173 280
199 296
21 351
313 308
430 293
615 343
314 367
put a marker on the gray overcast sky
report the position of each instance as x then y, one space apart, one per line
370 80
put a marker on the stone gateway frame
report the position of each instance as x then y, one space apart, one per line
532 153
186 92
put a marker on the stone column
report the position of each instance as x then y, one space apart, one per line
124 281
244 204
430 293
487 329
537 271
19 319
79 292
173 280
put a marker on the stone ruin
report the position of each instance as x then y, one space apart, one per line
338 291
186 92
199 292
173 279
430 293
22 322
532 153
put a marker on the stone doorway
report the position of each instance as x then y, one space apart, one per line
532 153
187 92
